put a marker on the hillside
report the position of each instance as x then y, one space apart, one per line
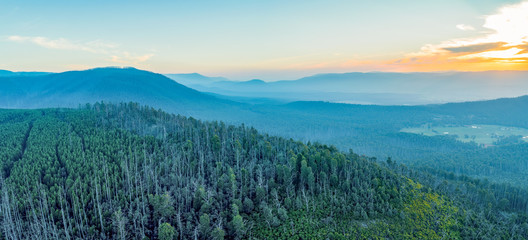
69 89
506 111
125 171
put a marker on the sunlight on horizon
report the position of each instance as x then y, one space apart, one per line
504 46
350 38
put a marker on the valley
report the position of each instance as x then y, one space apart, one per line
487 135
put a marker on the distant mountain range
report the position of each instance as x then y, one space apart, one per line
69 89
379 88
191 79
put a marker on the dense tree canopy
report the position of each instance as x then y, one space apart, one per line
131 172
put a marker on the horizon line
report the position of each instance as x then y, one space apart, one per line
219 76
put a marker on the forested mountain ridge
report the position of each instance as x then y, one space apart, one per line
504 111
130 172
69 89
368 129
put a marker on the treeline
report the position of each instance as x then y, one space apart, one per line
132 172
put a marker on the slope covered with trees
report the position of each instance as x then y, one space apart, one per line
368 129
131 172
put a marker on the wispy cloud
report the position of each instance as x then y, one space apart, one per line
111 50
475 47
465 27
127 58
96 46
505 44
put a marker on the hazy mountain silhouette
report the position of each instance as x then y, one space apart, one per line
193 79
69 89
380 87
6 73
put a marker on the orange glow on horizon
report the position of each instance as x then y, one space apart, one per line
504 48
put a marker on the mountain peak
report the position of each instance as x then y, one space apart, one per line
114 69
109 84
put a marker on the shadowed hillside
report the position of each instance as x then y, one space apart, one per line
69 89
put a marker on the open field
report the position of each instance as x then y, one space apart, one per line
481 134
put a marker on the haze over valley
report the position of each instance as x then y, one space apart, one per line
380 88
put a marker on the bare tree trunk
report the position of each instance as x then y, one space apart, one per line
99 210
64 222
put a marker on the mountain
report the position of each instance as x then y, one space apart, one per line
246 85
69 89
6 73
194 79
126 171
382 88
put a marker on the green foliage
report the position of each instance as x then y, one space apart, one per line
428 215
162 207
205 225
166 232
238 226
218 234
131 172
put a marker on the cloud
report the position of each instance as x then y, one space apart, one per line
503 46
475 48
65 44
510 53
110 50
524 48
465 27
128 58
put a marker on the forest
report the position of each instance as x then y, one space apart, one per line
370 130
127 171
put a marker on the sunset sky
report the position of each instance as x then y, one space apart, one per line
269 39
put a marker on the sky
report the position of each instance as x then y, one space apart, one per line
269 40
